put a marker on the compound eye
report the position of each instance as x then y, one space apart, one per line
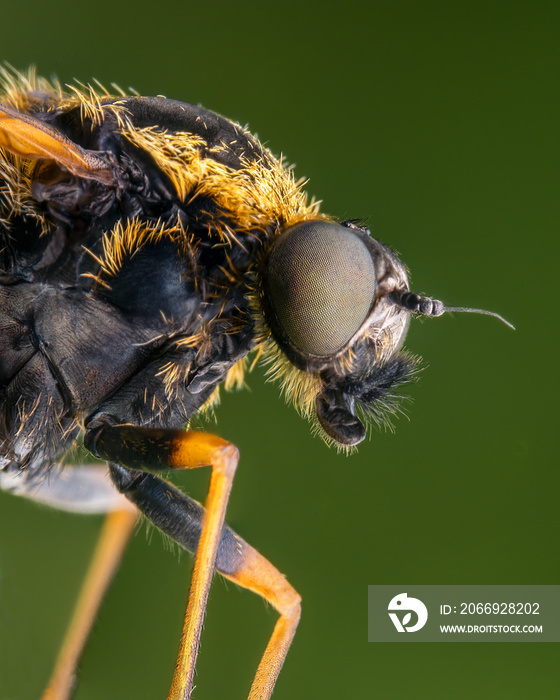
320 282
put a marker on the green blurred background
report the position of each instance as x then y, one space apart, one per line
439 122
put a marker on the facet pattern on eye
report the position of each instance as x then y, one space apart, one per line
322 284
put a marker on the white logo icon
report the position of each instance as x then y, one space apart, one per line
402 602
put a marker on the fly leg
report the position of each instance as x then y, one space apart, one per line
163 449
84 489
258 575
115 534
134 451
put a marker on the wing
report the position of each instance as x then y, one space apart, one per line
28 137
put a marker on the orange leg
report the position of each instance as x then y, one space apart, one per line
260 576
160 449
224 458
114 537
138 450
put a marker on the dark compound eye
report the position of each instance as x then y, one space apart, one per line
320 281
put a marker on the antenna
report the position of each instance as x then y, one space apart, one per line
434 307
